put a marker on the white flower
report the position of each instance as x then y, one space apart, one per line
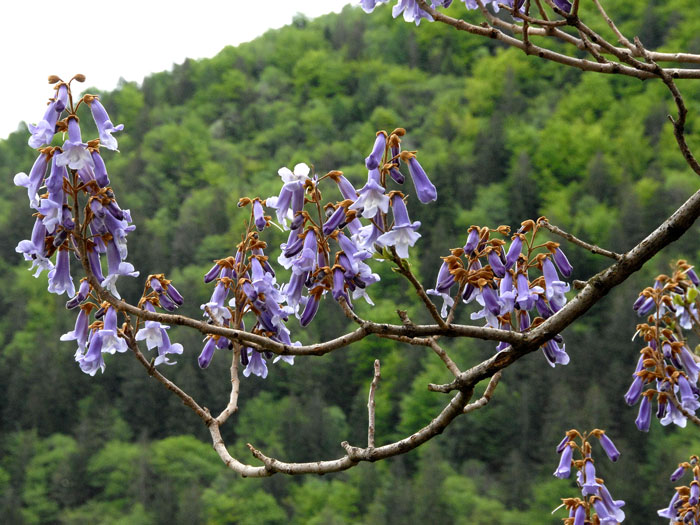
301 173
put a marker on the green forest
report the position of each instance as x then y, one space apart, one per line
504 137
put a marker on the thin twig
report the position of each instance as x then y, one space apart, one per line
620 37
486 397
548 54
592 49
574 240
187 400
232 405
451 366
405 270
371 404
679 122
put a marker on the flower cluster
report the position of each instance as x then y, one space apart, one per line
684 506
63 180
667 365
412 12
596 504
497 277
325 252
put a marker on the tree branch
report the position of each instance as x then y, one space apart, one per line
590 247
371 404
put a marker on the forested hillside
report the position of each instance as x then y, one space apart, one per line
504 137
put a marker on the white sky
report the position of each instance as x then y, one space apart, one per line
106 40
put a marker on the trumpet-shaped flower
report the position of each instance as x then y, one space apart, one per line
403 234
105 128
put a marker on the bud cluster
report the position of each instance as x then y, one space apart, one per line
596 505
684 506
326 250
77 213
498 279
666 365
412 12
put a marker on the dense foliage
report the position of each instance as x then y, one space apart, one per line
504 137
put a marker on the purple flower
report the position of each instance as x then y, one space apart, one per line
259 215
34 180
555 289
397 175
292 290
212 274
44 130
60 280
580 515
673 415
34 250
425 190
80 332
554 354
562 262
689 364
678 473
602 512
378 149
564 5
612 506
403 234
609 447
339 284
93 257
670 512
514 251
165 348
635 391
282 202
174 294
362 279
311 306
207 353
507 294
643 420
369 5
105 128
80 296
693 277
694 493
411 11
367 236
92 359
116 268
644 305
335 220
111 342
445 281
215 307
75 153
688 399
100 172
472 241
306 261
590 485
563 470
256 364
151 330
526 295
371 197
499 269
